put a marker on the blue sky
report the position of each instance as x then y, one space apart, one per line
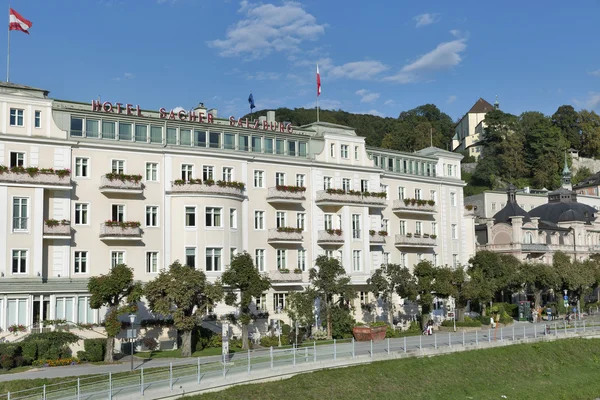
379 57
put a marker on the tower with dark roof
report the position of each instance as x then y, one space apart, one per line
566 176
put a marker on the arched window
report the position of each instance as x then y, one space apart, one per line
528 238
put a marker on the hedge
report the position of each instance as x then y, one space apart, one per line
37 346
466 324
94 350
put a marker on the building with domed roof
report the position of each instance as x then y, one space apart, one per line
561 224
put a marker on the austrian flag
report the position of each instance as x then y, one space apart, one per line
318 82
18 23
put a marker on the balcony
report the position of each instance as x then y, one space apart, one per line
207 188
335 197
281 276
120 231
54 229
286 194
377 238
331 237
285 235
57 178
412 241
121 183
412 206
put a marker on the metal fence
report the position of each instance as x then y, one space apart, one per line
215 371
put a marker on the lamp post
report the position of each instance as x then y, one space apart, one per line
131 334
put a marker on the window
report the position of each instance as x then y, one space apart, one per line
185 137
279 301
281 219
452 199
187 172
279 179
302 149
418 194
281 258
300 180
108 130
403 227
151 172
16 117
20 214
171 135
81 262
141 133
449 170
268 145
418 227
125 132
37 120
200 138
81 167
227 174
302 259
403 259
244 143
364 185
329 253
291 148
259 179
207 173
151 215
328 221
233 218
76 127
344 151
356 261
214 139
118 166
116 258
213 217
529 238
118 213
190 257
232 252
326 182
259 259
356 226
356 152
493 206
346 185
332 150
259 220
81 214
454 232
17 159
256 144
434 228
261 302
385 225
384 189
419 256
455 260
152 262
401 193
190 216
19 261
435 260
300 220
433 195
213 259
156 135
386 258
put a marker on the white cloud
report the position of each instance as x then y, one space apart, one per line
264 76
367 96
451 99
126 75
426 19
360 70
390 102
266 28
595 73
591 102
446 55
374 112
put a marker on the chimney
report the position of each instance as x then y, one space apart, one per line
213 112
271 116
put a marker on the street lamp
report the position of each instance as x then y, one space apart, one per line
131 334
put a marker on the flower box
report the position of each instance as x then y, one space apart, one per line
367 333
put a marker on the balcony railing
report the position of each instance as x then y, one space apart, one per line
59 231
412 241
324 198
279 195
113 184
116 232
283 236
377 239
404 206
328 237
278 276
202 188
35 178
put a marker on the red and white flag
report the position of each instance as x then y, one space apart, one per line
18 23
318 81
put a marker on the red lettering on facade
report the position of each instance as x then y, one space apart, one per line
107 106
265 125
118 107
256 124
162 113
182 115
231 121
290 129
172 115
200 117
96 105
281 127
192 116
128 108
240 123
247 126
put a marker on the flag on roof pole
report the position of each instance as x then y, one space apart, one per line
318 81
251 102
17 22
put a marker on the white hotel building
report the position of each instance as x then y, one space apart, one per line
164 217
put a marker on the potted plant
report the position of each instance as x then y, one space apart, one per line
373 331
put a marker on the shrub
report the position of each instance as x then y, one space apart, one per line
94 349
150 343
319 334
82 355
205 338
6 362
273 341
29 350
465 324
485 320
237 343
342 323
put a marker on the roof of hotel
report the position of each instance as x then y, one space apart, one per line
11 85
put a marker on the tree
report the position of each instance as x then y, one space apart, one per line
329 279
243 277
390 279
581 174
119 294
577 277
590 133
300 308
183 293
538 277
567 120
424 273
459 280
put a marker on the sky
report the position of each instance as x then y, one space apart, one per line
379 57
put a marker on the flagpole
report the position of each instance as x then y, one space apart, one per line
317 108
8 48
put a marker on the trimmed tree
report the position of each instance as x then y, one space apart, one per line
243 283
390 279
328 280
539 277
119 294
299 307
184 293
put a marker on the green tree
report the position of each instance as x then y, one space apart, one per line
300 307
183 293
460 280
329 279
577 277
243 277
538 277
118 292
590 133
581 174
390 279
567 120
424 273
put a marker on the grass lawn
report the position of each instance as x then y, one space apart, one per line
564 369
210 351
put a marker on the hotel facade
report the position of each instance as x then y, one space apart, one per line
85 186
